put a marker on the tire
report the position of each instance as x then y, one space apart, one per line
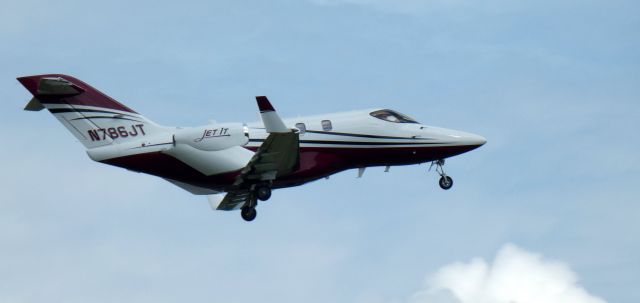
263 193
248 213
446 182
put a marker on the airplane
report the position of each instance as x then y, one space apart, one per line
238 164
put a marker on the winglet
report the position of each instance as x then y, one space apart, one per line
264 105
270 119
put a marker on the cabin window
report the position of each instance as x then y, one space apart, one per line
301 127
392 116
326 125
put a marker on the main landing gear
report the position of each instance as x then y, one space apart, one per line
263 192
445 181
248 213
260 192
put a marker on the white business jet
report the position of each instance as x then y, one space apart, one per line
237 164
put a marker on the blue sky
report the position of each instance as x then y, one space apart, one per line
553 85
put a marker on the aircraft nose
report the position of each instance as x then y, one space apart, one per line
473 139
470 139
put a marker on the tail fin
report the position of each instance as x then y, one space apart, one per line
94 118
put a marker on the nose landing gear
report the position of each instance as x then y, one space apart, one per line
445 181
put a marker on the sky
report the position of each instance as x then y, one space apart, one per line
546 211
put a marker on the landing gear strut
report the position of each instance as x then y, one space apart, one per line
248 210
445 181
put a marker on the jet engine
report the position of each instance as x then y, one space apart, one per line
213 137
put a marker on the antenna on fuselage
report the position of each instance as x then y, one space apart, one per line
361 171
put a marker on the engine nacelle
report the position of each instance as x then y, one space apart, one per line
213 137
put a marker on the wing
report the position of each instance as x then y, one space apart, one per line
278 155
235 199
196 190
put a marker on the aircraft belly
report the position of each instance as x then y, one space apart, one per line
212 162
168 167
402 155
320 162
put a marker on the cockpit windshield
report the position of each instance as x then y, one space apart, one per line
392 116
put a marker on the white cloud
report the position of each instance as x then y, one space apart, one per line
516 275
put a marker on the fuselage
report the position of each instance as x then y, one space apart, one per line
329 144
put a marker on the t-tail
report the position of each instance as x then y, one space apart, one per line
94 118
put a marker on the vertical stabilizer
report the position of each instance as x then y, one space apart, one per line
94 118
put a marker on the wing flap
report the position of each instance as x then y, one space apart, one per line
264 167
277 156
279 153
234 200
57 86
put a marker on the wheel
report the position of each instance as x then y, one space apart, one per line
248 213
446 182
263 193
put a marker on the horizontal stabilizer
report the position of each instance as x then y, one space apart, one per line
34 105
48 87
57 86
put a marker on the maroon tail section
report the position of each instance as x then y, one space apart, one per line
88 96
